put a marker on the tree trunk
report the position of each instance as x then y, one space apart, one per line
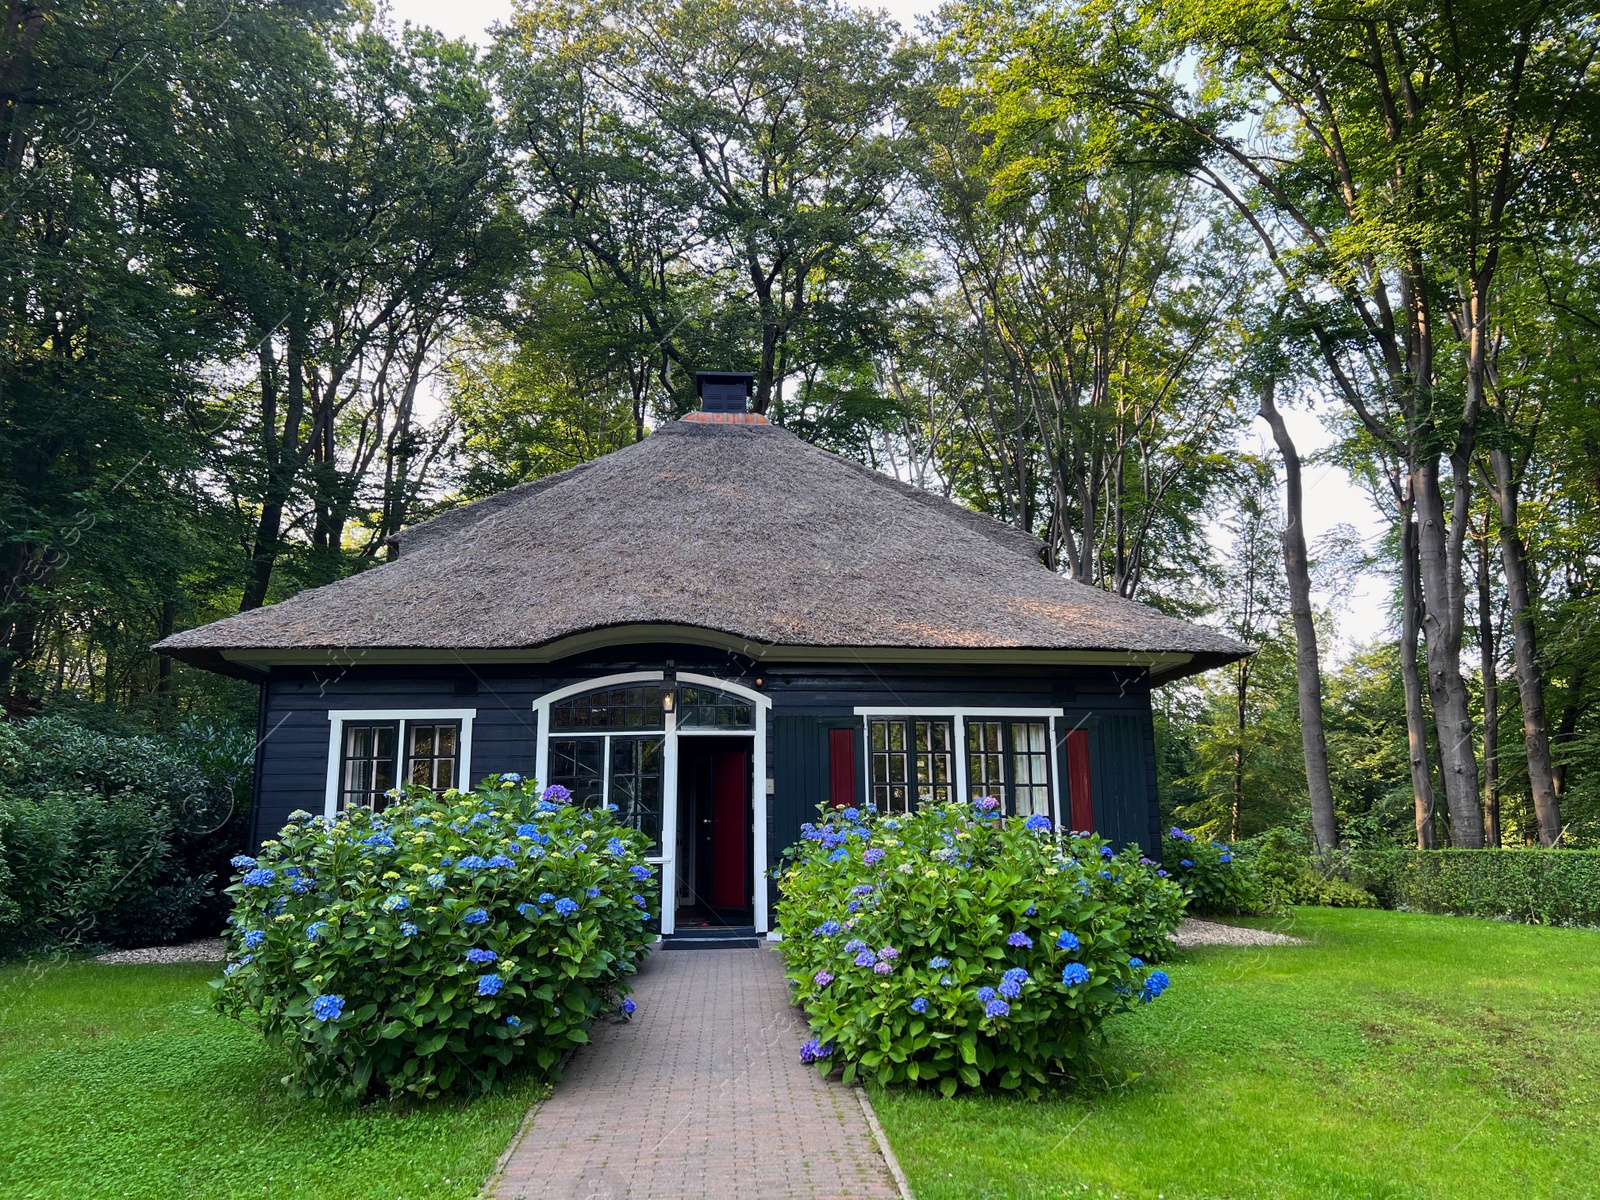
1308 667
1241 715
1530 678
1416 721
1443 612
283 467
1491 701
1567 727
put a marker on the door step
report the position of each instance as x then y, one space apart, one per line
713 937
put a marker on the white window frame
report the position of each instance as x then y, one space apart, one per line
669 771
338 718
958 718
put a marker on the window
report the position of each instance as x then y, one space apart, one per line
1010 759
706 708
371 753
595 755
911 762
636 707
368 764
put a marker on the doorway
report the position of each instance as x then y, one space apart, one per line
715 834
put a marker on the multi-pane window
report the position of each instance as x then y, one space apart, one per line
432 751
375 756
1010 759
911 760
578 764
631 707
636 784
367 769
707 708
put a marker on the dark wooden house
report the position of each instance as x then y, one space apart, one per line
717 629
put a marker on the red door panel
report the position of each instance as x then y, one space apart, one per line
730 869
841 767
1078 781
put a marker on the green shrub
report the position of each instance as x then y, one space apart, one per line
434 944
1284 860
951 947
1541 887
108 839
1215 879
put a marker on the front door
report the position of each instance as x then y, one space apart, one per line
714 832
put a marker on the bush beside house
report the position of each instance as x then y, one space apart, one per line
953 948
1541 887
433 945
109 839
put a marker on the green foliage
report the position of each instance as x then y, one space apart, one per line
1284 860
1214 877
351 938
893 927
115 839
1542 887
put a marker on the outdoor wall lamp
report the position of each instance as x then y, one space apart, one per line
669 689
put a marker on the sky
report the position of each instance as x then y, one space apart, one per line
1331 499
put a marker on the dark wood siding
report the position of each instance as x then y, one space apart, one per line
807 701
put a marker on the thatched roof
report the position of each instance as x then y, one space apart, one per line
739 535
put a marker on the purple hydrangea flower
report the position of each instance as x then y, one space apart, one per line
629 1007
986 994
822 979
1019 939
873 857
883 968
866 958
986 803
813 1050
555 794
888 954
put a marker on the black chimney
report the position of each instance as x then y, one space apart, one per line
724 391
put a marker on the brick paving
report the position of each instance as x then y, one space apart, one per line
701 1094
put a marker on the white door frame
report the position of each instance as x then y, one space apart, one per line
669 771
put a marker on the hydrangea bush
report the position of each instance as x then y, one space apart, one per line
1214 877
434 944
951 946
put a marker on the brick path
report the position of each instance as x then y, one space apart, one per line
701 1094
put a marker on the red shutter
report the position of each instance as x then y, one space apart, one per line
842 767
1078 781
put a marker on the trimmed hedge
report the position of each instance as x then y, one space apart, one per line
1541 887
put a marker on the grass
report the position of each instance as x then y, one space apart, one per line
1397 1056
119 1081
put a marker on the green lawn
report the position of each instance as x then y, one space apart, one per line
1396 1056
120 1081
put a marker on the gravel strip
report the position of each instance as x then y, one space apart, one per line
1213 933
206 950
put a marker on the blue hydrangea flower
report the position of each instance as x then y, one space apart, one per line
1227 858
327 1008
301 884
1161 874
500 860
532 833
447 862
481 819
639 871
851 814
1180 834
260 877
407 929
473 862
986 994
396 904
946 981
555 794
316 929
1074 974
566 907
528 911
593 893
854 906
1031 911
476 916
641 901
920 1004
546 897
514 1022
826 929
479 955
246 958
510 777
853 945
241 862
629 1007
839 855
1106 852
378 841
873 857
253 938
231 970
615 847
822 979
866 958
862 889
1154 986
437 881
1136 963
1038 823
1186 863
1019 939
997 1008
938 961
490 985
1014 978
813 1050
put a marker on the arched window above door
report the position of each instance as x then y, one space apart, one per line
635 706
707 708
